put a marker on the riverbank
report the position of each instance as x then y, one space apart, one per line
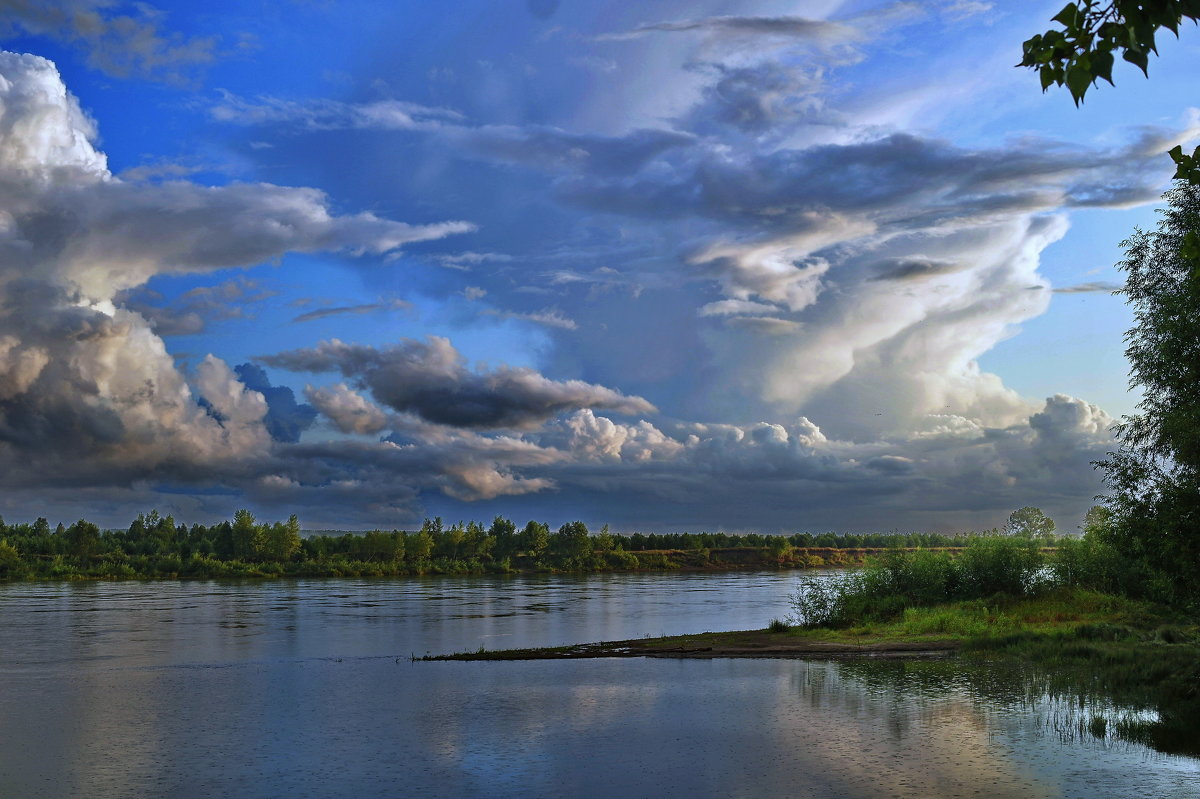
980 628
739 644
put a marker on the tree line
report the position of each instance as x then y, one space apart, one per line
158 546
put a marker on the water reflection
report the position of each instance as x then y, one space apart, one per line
1090 703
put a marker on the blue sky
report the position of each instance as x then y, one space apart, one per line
677 266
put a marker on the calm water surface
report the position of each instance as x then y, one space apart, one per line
295 689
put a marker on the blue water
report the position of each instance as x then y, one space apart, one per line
306 688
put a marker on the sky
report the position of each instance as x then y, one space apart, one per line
670 266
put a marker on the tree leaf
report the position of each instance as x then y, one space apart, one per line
1078 80
1069 16
1102 64
1139 59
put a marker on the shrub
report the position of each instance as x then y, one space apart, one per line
900 580
999 565
620 559
923 577
822 602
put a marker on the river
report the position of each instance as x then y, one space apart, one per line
307 688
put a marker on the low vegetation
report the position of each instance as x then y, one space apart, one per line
989 572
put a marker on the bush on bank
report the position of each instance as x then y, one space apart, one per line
1013 567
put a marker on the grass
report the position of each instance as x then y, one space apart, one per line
1000 616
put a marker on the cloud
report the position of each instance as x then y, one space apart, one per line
784 26
602 279
793 477
89 394
192 311
159 170
465 260
352 310
964 9
431 380
118 44
915 268
1094 286
541 147
547 317
350 412
900 178
755 99
862 280
332 114
737 308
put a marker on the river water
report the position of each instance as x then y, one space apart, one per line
307 688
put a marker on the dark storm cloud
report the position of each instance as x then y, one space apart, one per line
430 379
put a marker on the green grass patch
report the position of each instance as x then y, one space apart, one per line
1055 611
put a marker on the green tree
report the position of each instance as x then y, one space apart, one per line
505 534
1080 52
477 543
1096 520
281 541
418 546
604 540
535 538
572 539
1154 476
1029 522
247 536
10 558
83 539
452 542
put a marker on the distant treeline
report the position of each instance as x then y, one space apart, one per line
156 546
